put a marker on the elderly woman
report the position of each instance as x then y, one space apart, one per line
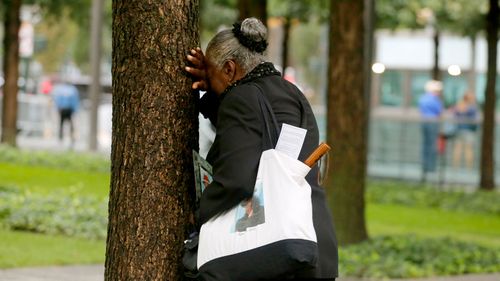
234 73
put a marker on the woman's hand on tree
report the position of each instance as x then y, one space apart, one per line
197 69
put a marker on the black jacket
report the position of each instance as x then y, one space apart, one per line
238 145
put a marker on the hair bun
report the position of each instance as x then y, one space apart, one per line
252 34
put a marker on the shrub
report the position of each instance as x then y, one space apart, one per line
61 160
410 256
64 213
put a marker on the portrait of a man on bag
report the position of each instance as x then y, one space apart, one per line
254 214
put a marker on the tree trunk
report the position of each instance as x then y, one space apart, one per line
487 145
347 120
95 64
369 50
471 78
255 8
154 131
11 70
287 23
436 74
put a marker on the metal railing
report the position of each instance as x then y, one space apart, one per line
35 114
395 149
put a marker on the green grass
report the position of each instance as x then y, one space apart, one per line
21 249
46 180
385 219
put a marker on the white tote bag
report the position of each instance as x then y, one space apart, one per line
271 235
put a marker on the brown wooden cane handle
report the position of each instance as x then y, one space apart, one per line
321 150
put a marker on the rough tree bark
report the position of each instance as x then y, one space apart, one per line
154 132
12 23
487 143
347 120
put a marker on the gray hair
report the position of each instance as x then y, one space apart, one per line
225 46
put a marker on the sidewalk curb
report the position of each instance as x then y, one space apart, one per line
54 273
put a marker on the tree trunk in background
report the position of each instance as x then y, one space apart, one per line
155 128
369 50
347 120
287 24
12 23
471 78
95 63
487 142
253 8
436 74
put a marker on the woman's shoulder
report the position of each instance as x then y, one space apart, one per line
245 95
245 89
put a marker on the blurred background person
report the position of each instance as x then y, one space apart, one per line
46 86
431 107
465 116
67 101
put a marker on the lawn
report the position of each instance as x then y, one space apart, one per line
20 249
46 180
385 219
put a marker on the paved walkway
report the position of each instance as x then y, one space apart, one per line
471 277
55 273
96 273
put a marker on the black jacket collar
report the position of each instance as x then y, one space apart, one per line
262 70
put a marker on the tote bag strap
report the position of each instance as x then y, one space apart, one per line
271 124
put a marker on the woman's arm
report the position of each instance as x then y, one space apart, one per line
209 102
197 69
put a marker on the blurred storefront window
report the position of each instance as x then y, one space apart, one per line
453 89
392 93
417 83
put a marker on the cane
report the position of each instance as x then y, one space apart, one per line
321 150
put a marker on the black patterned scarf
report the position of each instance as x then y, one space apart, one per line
262 70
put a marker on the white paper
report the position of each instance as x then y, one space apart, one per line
291 140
